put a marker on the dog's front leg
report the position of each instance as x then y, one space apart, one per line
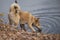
30 26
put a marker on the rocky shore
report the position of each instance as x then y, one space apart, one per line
7 32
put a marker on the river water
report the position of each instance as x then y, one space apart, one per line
47 10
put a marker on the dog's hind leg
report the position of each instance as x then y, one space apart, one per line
22 27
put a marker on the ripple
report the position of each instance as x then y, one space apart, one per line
49 24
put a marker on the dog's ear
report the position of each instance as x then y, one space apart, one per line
37 19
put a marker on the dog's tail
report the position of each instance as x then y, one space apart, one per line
16 1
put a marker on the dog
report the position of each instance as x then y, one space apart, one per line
27 18
13 15
16 16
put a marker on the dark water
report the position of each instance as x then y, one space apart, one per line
47 10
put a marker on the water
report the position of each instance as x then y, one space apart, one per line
47 10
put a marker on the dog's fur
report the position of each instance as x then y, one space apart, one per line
16 14
13 15
28 18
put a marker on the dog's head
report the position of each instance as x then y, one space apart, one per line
14 7
36 22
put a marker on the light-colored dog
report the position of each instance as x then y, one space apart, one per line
28 18
13 15
16 15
